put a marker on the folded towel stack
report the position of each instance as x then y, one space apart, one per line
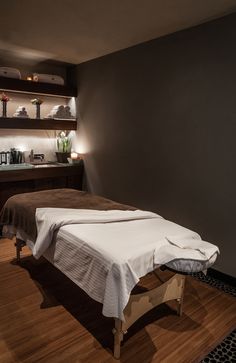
10 72
21 112
48 78
60 111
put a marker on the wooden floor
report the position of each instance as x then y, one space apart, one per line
44 317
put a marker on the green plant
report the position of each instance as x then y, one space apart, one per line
63 142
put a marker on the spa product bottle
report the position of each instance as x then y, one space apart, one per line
8 157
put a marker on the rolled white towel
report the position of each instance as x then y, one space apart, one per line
59 114
60 111
67 112
57 107
48 78
10 72
21 112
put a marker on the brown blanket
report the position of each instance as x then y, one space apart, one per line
19 210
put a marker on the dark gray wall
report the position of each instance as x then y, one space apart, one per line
158 128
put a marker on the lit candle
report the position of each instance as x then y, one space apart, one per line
29 78
74 156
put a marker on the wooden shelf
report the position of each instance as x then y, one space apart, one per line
37 124
19 85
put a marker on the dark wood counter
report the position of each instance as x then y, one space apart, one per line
39 178
41 172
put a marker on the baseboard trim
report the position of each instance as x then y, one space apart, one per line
222 276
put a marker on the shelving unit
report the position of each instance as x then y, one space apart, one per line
37 124
22 86
31 87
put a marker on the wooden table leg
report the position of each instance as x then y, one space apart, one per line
139 304
181 299
19 244
118 337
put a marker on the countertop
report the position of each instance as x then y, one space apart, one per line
27 171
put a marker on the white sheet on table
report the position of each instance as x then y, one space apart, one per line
111 257
48 220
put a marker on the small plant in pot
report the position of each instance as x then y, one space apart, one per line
63 147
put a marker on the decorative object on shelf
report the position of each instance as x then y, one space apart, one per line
29 78
37 102
74 158
60 112
21 112
48 78
10 72
74 155
63 146
4 99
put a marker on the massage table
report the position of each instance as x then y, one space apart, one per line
105 248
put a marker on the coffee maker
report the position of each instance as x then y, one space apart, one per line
5 157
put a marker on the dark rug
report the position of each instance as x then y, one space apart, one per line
226 351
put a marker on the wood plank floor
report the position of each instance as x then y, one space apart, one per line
45 318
